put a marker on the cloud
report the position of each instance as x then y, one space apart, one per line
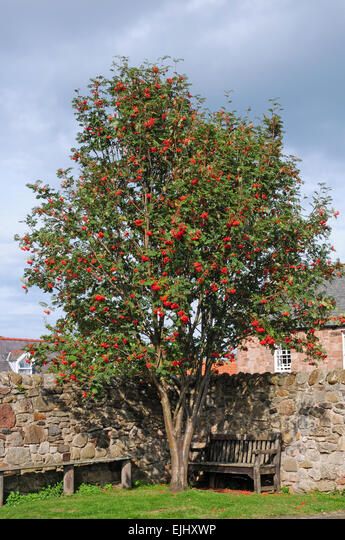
259 49
317 168
20 313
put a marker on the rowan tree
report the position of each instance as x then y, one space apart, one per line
177 234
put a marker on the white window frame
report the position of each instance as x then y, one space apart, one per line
343 342
15 366
280 355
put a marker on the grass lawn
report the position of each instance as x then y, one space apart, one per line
157 502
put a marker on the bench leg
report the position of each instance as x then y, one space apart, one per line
1 488
276 481
126 474
212 481
257 480
68 479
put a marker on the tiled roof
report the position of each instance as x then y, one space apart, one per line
31 340
14 355
336 289
230 368
4 366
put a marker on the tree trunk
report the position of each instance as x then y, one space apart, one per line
179 469
179 459
180 431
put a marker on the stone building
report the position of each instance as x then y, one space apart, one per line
259 359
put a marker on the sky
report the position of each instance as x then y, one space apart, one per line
292 50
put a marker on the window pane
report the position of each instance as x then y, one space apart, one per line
283 360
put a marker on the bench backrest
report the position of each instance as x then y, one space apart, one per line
234 448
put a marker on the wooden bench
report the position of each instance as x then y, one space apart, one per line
68 472
235 454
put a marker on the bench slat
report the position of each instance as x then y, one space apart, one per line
76 463
246 437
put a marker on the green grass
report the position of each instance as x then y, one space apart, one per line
158 502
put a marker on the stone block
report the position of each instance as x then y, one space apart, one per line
337 418
310 444
314 473
326 420
290 379
48 458
333 377
75 453
44 448
338 458
288 477
281 392
22 406
302 377
328 472
39 416
289 465
117 449
339 429
326 485
314 377
15 439
18 456
303 473
341 481
100 452
304 486
36 379
61 414
24 418
286 407
327 448
305 464
80 440
26 381
37 459
15 378
34 434
7 416
341 444
333 397
320 432
312 455
54 431
340 406
62 448
88 452
4 390
32 392
325 405
42 405
57 457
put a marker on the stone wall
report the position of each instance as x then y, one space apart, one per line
39 422
307 408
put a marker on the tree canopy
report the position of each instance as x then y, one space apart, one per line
180 234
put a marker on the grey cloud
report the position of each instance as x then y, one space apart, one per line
259 49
